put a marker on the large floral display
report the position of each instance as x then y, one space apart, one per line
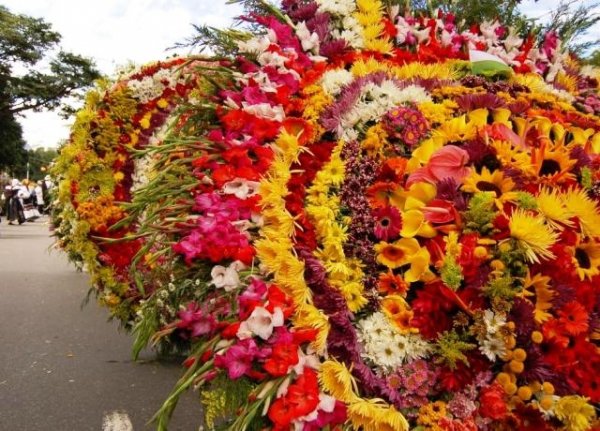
99 169
375 221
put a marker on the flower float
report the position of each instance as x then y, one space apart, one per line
99 170
369 231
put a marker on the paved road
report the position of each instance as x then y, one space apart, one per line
63 367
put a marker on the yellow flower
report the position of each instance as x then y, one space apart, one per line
405 251
533 234
162 103
397 310
585 209
575 412
552 207
494 182
374 415
308 316
375 140
410 202
431 413
337 380
543 295
586 258
552 164
334 171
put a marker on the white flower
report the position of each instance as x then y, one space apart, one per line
337 7
385 346
261 323
226 278
512 41
493 322
307 39
265 110
256 45
274 59
492 347
332 81
241 188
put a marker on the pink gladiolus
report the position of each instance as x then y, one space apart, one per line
238 358
196 320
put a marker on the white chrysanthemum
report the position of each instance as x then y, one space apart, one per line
337 7
332 81
492 347
387 348
493 322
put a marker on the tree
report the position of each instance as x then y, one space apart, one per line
34 75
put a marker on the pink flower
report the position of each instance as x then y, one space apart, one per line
197 320
447 162
238 358
388 222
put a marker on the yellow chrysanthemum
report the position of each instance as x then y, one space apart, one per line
551 206
308 316
337 380
585 209
575 412
374 415
533 234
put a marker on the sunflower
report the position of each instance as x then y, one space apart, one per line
533 234
586 258
553 165
494 182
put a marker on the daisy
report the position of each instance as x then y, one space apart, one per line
493 347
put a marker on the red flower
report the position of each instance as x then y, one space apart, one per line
574 318
283 356
492 404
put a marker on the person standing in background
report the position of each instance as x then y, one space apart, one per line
39 197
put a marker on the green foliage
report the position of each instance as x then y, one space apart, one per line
26 42
587 180
502 287
571 19
223 397
481 213
451 348
451 273
526 200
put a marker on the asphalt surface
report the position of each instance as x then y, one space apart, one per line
64 367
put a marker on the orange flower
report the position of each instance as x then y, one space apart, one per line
574 318
389 284
379 194
398 312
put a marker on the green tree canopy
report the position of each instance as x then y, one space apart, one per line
34 75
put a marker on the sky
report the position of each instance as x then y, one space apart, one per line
117 32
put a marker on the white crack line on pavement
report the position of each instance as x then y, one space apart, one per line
116 421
